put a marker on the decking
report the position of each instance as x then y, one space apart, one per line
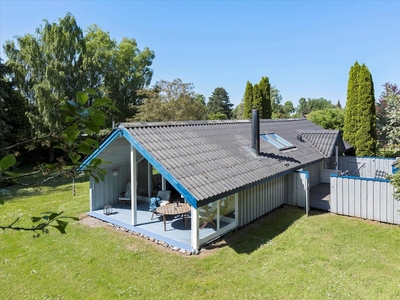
320 197
176 234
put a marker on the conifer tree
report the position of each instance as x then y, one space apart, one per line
266 105
360 117
248 100
350 119
366 136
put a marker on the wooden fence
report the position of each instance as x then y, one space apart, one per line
367 198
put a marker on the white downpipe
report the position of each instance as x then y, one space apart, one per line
336 159
149 181
134 186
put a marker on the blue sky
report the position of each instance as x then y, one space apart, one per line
306 48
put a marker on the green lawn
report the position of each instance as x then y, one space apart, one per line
283 256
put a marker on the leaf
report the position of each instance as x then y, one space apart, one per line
75 157
69 119
91 142
50 166
91 91
84 113
101 102
11 174
7 162
92 126
82 98
99 119
84 148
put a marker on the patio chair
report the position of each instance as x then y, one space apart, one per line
126 196
162 198
207 214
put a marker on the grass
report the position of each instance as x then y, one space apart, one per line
282 256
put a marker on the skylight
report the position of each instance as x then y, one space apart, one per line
276 141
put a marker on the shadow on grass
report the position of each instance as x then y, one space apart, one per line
251 237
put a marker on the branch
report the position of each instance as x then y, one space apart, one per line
51 134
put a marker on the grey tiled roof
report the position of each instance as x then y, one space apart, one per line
213 157
323 140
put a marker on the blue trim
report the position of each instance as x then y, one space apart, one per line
304 172
104 144
168 176
142 231
361 178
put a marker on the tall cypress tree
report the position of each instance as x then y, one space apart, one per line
366 135
360 118
350 119
266 105
248 100
257 98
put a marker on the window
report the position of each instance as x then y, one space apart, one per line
276 141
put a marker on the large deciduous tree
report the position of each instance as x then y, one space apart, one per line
360 116
387 111
170 101
329 118
59 59
219 103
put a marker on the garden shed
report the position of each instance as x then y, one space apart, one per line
239 169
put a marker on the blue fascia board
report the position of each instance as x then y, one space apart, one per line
104 144
304 172
168 176
361 178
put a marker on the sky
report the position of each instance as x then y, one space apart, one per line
306 48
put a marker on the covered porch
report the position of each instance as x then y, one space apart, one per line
177 234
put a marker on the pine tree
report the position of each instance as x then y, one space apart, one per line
248 100
366 136
266 105
219 103
350 119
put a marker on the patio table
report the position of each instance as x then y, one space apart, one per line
172 209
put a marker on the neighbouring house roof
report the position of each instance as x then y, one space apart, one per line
209 159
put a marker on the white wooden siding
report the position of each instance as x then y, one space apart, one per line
315 173
365 166
364 198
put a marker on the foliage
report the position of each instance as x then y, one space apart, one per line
330 118
306 106
74 138
266 105
170 101
351 116
258 97
219 103
248 100
387 112
360 116
217 116
14 125
366 136
274 250
58 60
238 111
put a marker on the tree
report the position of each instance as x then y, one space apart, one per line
170 101
306 106
75 138
288 108
266 105
386 108
219 103
351 116
58 60
330 118
237 112
366 133
248 100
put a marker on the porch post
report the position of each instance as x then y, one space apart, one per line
91 193
133 186
163 183
149 181
195 229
